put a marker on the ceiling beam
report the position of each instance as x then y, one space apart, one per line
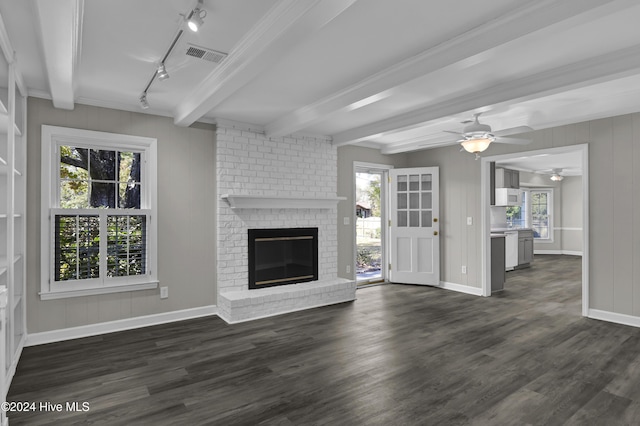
618 64
285 25
60 26
10 57
532 17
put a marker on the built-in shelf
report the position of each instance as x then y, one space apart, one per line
277 202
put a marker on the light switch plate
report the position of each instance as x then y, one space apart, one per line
469 220
164 292
346 220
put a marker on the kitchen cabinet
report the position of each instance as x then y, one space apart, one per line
507 178
525 248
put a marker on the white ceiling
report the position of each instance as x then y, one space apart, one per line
390 74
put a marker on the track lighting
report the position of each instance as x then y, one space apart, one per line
143 101
196 19
162 72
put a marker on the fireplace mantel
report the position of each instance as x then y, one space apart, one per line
277 202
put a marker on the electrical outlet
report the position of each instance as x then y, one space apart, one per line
164 292
469 221
464 269
348 269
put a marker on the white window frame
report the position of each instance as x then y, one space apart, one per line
550 195
52 138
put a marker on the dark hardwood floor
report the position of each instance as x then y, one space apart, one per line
399 355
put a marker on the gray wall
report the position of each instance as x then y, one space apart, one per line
572 214
346 156
614 196
459 198
186 218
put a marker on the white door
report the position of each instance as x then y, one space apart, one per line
414 226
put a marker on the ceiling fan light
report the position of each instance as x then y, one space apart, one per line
556 178
476 145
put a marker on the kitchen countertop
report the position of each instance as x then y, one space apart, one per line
497 235
500 230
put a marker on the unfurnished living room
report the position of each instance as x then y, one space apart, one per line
320 212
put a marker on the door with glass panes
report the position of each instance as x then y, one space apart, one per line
414 227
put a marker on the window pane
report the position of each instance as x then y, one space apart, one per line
414 183
402 219
426 218
77 247
74 194
402 201
103 195
426 182
129 195
414 218
74 163
414 200
426 200
102 165
402 183
126 245
129 166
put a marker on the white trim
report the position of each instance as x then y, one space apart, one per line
384 205
567 229
275 202
614 317
51 138
98 290
583 149
118 325
461 288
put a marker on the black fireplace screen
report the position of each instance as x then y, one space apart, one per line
282 256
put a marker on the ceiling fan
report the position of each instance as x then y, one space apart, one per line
557 175
476 137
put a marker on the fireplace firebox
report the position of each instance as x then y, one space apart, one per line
282 256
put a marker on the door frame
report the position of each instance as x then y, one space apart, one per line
360 167
485 206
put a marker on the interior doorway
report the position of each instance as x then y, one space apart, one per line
370 218
539 215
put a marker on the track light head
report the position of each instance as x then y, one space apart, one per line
162 72
196 20
143 101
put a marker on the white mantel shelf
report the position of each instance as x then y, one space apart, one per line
277 202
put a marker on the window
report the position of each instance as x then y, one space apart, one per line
517 216
98 208
541 214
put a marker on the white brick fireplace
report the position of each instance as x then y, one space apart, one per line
267 183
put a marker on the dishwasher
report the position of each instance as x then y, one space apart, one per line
510 250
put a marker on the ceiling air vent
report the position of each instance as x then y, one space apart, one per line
205 54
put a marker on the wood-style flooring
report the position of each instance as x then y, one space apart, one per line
398 355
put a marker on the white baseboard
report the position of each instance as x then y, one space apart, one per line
118 325
476 291
614 317
567 252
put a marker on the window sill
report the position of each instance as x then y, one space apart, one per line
149 285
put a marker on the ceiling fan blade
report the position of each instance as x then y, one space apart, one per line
451 131
513 141
513 131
